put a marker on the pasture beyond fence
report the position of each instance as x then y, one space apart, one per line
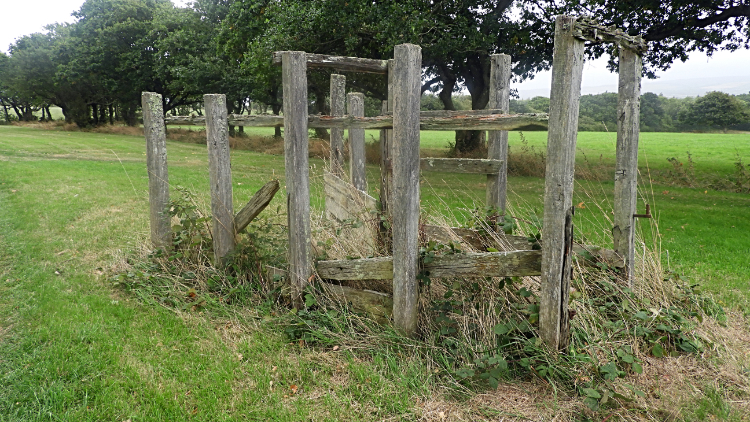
401 123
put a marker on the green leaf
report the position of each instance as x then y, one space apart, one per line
657 350
592 403
590 392
494 383
501 329
637 368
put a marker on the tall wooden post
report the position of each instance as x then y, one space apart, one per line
557 232
626 172
497 144
294 85
406 102
386 150
356 107
156 164
220 174
386 171
338 107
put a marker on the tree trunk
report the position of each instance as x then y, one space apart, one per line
102 114
476 76
276 108
111 115
130 118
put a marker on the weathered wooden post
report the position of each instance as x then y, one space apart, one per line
557 232
338 107
220 175
626 172
386 151
294 86
156 164
497 144
356 107
407 75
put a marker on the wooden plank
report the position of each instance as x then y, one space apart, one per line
378 305
380 268
386 172
481 241
485 264
353 201
158 174
338 109
255 120
407 77
220 175
345 203
567 69
473 122
589 29
256 205
356 107
626 170
460 165
457 122
474 238
340 63
497 141
294 85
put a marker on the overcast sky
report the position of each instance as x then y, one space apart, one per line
728 72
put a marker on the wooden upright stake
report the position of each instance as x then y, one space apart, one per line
386 147
356 107
156 164
557 232
626 172
497 144
338 107
220 174
294 85
407 75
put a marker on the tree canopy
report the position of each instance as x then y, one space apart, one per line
97 66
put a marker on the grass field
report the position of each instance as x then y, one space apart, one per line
74 348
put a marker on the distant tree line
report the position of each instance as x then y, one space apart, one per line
95 68
598 113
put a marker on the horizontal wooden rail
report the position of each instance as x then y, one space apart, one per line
458 122
340 63
588 29
487 264
460 165
481 241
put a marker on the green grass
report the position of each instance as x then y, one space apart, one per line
73 347
711 152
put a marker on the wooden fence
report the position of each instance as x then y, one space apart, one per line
400 164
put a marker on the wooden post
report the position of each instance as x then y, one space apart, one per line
294 85
356 107
386 146
407 73
557 232
497 144
338 107
156 164
220 174
626 172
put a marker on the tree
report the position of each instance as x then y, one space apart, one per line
717 109
673 28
